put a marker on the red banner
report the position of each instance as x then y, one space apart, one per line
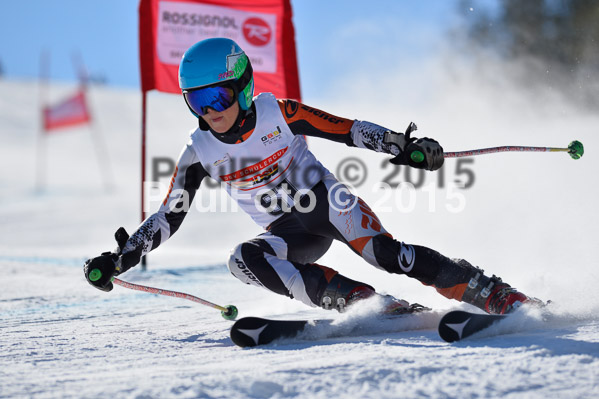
72 111
262 28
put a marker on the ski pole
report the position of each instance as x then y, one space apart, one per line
229 312
575 149
121 236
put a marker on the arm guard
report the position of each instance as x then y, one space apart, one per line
376 138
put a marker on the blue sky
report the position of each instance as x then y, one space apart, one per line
331 36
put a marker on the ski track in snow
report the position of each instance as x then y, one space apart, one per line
60 338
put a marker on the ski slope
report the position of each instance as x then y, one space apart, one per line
529 218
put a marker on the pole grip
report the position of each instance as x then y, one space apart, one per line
417 156
95 275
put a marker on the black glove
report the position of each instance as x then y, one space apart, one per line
100 270
421 153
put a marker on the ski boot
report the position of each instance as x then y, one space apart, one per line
505 299
342 292
487 293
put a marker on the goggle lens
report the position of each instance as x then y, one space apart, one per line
219 98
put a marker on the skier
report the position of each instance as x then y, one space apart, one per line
286 190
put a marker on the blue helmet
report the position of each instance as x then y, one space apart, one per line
215 61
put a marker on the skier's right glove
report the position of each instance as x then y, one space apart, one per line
100 270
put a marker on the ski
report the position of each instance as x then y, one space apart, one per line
458 324
255 331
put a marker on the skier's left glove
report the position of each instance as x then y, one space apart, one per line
421 153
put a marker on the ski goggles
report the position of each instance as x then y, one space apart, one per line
219 98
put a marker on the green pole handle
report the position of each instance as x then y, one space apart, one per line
417 156
95 275
575 149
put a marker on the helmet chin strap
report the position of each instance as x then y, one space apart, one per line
203 125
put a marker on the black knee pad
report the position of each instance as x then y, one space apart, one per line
386 251
414 261
247 262
244 260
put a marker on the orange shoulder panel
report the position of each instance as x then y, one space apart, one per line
321 121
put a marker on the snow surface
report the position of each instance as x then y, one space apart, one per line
530 218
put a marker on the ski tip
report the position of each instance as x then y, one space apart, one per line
449 330
254 331
458 324
246 332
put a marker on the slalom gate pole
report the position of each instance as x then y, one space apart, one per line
229 312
